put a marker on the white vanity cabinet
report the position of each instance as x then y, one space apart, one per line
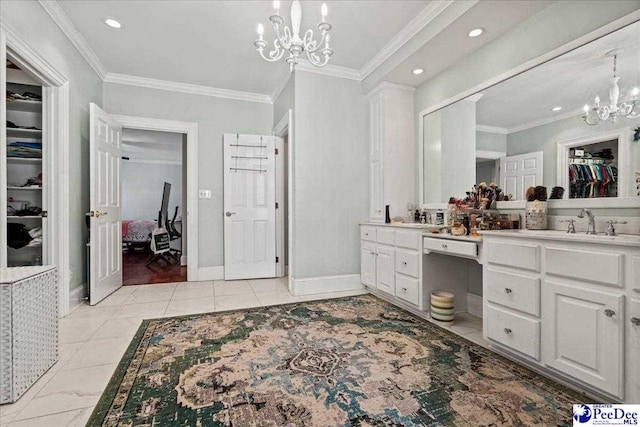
391 150
561 305
390 262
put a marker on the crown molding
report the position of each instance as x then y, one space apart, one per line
125 79
329 70
492 129
389 85
426 15
536 123
64 22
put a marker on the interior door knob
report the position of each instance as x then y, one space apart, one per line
507 331
609 313
230 213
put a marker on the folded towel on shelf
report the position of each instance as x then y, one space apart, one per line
25 149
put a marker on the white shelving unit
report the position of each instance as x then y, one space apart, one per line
27 114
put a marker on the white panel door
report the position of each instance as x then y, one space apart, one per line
517 173
368 263
385 269
105 153
375 159
582 335
249 207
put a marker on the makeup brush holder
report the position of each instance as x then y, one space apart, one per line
536 216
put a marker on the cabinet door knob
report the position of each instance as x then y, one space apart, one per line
404 262
507 331
444 246
373 253
507 290
635 321
404 289
609 313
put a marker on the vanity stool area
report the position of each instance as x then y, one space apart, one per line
404 263
564 305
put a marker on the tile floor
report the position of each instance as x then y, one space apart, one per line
93 339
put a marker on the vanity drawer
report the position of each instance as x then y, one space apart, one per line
368 233
514 290
407 262
513 330
408 239
601 267
452 247
385 235
513 255
407 289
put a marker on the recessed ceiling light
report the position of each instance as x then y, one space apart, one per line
418 71
558 108
113 23
476 32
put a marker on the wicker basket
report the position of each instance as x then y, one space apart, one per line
536 216
28 327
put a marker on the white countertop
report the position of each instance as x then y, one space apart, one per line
408 225
15 274
621 239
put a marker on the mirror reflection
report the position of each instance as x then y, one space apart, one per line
568 123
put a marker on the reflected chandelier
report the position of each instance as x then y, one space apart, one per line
288 39
624 109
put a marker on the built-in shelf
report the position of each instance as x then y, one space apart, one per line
24 133
24 160
25 188
24 217
24 105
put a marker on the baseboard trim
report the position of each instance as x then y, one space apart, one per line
319 285
77 297
210 273
474 304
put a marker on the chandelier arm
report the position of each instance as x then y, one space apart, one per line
313 46
603 113
274 55
586 120
317 62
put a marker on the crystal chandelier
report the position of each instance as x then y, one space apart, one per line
288 40
624 109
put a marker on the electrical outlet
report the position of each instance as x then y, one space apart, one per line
204 194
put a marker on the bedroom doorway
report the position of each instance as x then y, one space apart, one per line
154 179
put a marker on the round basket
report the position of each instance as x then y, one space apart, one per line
443 307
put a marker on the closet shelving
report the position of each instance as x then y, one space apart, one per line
23 172
594 174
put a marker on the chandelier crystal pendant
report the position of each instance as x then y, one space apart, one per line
289 40
597 113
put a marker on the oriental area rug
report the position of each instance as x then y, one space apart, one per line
355 361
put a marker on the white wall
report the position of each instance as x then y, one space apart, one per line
215 116
489 141
331 175
285 100
142 186
39 31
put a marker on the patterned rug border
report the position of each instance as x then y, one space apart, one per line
110 393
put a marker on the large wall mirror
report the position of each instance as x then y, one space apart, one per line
530 129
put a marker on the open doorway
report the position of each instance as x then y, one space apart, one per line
154 197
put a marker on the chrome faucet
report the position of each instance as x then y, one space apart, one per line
591 227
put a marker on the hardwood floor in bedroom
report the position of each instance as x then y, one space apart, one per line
136 272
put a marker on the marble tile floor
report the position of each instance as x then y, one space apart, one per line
93 339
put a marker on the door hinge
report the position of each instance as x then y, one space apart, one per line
44 214
277 259
276 151
277 205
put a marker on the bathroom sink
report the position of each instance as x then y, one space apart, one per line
623 239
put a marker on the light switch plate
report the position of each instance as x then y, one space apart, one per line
204 194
